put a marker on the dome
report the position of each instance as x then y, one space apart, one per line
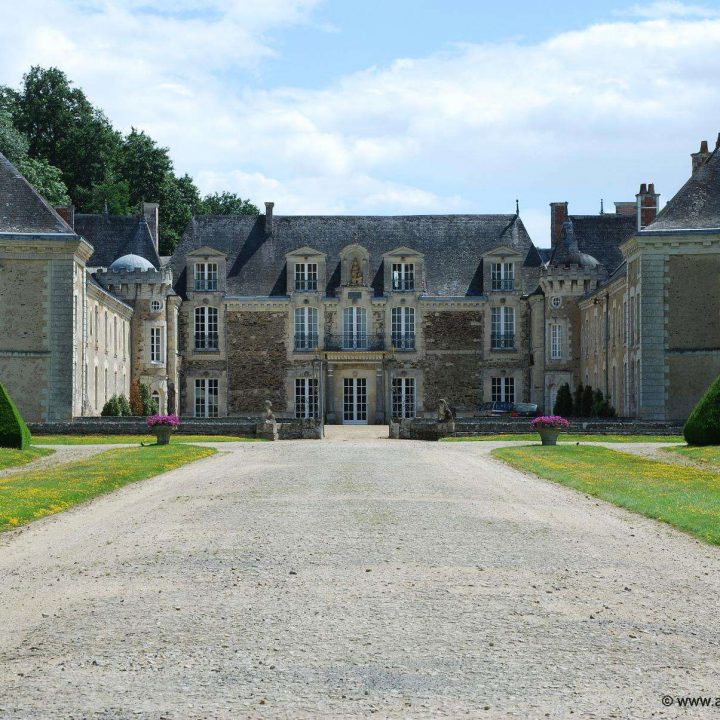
130 263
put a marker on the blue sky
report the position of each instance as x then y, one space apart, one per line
339 107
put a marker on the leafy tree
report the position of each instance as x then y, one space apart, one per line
149 406
179 201
13 144
114 192
226 203
46 179
703 425
563 401
587 401
578 400
124 406
112 408
145 165
136 404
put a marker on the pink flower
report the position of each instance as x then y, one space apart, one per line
171 420
551 422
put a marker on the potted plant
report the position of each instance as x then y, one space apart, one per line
163 426
549 427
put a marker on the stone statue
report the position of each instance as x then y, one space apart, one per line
356 277
444 414
269 415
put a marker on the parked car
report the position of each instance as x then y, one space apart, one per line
524 410
495 409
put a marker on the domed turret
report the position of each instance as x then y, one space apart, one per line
573 255
131 262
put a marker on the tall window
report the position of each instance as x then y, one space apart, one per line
206 328
502 276
206 397
403 328
503 389
306 328
403 276
156 345
306 398
107 332
403 397
355 328
115 338
556 341
503 328
306 276
206 276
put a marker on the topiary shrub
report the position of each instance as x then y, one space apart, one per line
149 406
578 400
14 432
563 402
703 425
588 397
112 407
124 406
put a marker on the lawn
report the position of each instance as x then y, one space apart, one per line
12 458
709 455
525 437
684 497
132 439
30 495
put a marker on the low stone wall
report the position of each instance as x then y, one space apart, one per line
580 426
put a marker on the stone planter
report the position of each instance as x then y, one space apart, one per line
163 433
549 436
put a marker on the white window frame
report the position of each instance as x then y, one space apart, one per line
206 277
403 276
355 334
206 397
556 341
502 276
157 344
402 327
306 277
305 328
502 328
404 397
307 398
502 389
207 337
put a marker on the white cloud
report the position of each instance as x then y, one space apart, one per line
583 115
670 9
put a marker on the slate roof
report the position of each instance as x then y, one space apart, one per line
452 246
696 206
599 236
22 209
113 236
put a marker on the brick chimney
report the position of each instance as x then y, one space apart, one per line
647 203
699 158
151 212
67 213
558 215
269 217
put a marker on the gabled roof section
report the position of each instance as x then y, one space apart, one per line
696 206
113 236
206 251
305 251
402 251
502 251
452 245
22 209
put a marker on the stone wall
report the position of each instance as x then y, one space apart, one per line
257 360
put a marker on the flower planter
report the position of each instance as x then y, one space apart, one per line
549 436
549 427
163 433
163 427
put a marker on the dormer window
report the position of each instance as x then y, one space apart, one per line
206 277
306 277
403 276
502 276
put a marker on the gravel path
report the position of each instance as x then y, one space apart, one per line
352 579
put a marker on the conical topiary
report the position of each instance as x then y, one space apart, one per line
703 425
14 432
563 401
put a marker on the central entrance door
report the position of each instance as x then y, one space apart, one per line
355 401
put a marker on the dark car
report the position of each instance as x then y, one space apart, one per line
524 410
495 409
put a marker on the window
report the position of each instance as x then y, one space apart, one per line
556 341
107 332
206 276
502 276
306 276
503 328
403 397
156 305
206 397
115 338
97 325
206 328
355 328
403 328
403 276
156 345
97 394
156 400
503 389
306 398
306 328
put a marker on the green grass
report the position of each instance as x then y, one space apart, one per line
30 495
684 497
708 455
572 438
132 439
12 458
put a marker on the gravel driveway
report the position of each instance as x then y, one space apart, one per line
348 579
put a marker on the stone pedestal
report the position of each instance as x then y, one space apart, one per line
267 430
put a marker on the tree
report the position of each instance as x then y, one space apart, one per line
578 400
14 432
136 404
587 401
13 144
703 425
112 408
46 179
149 406
226 203
179 201
124 406
145 165
563 401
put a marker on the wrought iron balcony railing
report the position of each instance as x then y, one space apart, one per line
404 342
306 342
354 341
502 341
207 341
506 284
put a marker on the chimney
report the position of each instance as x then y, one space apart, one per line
269 217
558 215
699 158
647 203
151 212
67 213
628 207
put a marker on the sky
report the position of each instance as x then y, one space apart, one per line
399 106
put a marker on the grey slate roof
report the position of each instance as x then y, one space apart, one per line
113 236
452 246
696 206
599 236
22 209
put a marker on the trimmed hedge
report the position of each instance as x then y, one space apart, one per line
14 432
703 425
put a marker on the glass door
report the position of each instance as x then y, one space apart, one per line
354 328
355 401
